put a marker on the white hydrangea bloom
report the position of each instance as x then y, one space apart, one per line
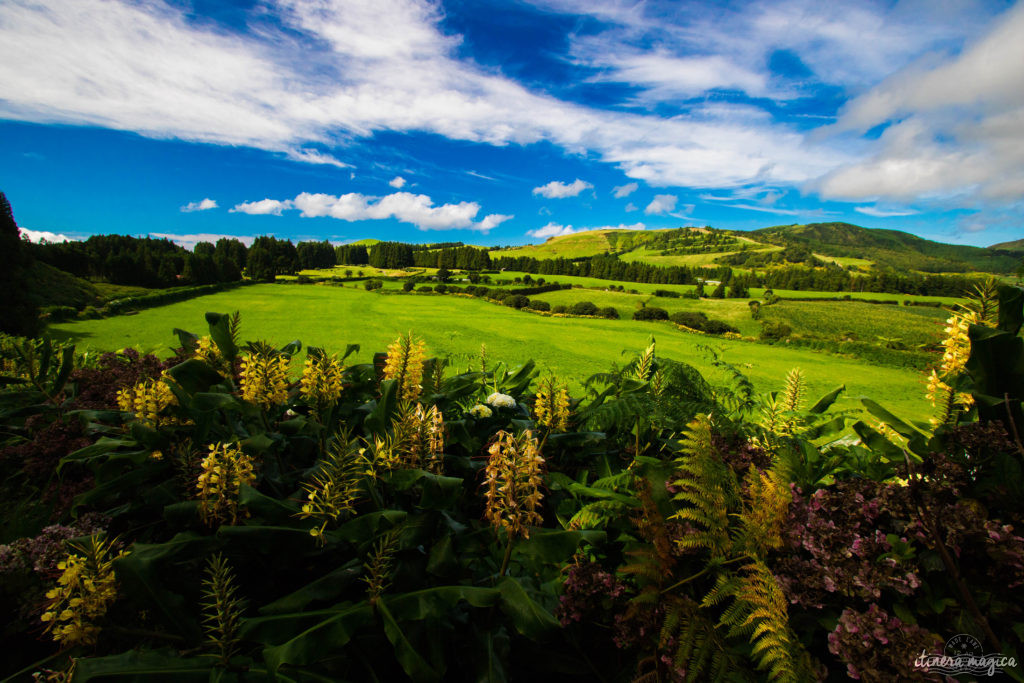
480 411
501 400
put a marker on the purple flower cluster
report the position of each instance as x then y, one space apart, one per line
837 545
42 553
876 646
589 591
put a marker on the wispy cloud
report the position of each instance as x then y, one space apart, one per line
883 213
662 203
203 205
625 190
559 190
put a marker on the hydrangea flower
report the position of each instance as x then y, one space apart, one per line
480 411
501 400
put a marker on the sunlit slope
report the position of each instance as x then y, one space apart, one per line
332 317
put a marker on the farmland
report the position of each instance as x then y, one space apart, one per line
333 317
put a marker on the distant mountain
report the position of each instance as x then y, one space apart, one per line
1016 245
892 248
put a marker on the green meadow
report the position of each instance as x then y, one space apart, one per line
455 326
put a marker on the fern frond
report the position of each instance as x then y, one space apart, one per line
644 365
615 482
764 513
695 645
759 613
707 489
598 514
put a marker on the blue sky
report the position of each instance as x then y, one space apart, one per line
508 122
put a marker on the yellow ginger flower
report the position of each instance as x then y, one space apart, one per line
146 400
321 383
405 366
265 377
208 351
957 345
891 434
225 470
84 591
513 479
551 408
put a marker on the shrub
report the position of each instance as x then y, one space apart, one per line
583 308
372 284
609 312
650 313
540 305
560 309
441 288
516 301
775 331
718 327
408 286
425 288
666 293
692 319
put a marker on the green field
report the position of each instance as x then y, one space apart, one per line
332 317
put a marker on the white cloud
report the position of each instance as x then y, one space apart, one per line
556 230
551 230
329 72
41 235
313 156
190 241
625 190
204 205
883 213
493 220
955 127
417 209
631 207
263 207
662 203
398 182
559 190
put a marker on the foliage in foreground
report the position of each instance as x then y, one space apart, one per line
216 516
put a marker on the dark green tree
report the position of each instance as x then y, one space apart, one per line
18 312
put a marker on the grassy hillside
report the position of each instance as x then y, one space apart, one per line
891 248
577 245
332 317
1015 245
53 287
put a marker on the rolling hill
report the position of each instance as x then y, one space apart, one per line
891 248
1015 245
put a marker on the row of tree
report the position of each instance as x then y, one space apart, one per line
828 278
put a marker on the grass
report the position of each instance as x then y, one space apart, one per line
332 317
654 257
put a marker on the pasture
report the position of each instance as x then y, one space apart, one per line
332 317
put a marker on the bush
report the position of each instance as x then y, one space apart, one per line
650 313
609 312
692 319
516 301
560 309
718 327
583 308
666 293
775 331
441 288
408 286
540 306
425 289
370 285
